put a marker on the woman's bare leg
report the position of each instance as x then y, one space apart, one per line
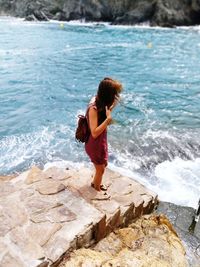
99 171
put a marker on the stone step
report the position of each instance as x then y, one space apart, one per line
128 199
46 214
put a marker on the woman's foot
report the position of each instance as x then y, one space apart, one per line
102 187
99 195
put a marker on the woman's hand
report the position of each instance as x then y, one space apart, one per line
108 114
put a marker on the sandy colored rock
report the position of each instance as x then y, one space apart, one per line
86 258
41 233
12 214
49 187
4 178
112 246
151 241
6 189
25 246
58 214
34 175
9 260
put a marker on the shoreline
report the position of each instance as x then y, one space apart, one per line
83 23
77 166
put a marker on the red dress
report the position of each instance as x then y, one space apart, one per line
97 148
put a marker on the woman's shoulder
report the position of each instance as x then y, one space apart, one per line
92 103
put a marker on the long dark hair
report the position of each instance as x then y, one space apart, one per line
108 90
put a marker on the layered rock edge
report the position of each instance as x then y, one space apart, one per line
167 13
150 241
46 214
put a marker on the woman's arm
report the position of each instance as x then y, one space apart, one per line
93 120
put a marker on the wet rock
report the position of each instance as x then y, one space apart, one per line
31 18
167 13
181 219
142 12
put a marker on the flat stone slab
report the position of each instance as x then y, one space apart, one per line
45 214
127 198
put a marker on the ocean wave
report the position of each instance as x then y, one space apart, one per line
178 181
63 164
147 148
104 46
162 171
19 152
16 52
84 23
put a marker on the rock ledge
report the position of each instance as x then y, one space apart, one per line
44 215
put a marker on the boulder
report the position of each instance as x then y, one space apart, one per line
170 13
150 241
142 12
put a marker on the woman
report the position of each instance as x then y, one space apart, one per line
99 117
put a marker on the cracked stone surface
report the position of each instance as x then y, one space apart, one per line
44 214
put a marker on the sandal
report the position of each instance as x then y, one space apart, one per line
102 187
101 196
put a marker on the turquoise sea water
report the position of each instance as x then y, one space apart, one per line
49 72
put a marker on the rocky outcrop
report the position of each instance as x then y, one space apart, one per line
166 13
150 241
170 12
182 220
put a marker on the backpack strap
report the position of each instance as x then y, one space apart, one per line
91 104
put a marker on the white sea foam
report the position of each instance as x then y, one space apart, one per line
9 18
63 164
15 150
84 23
21 151
178 181
16 52
99 45
175 181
